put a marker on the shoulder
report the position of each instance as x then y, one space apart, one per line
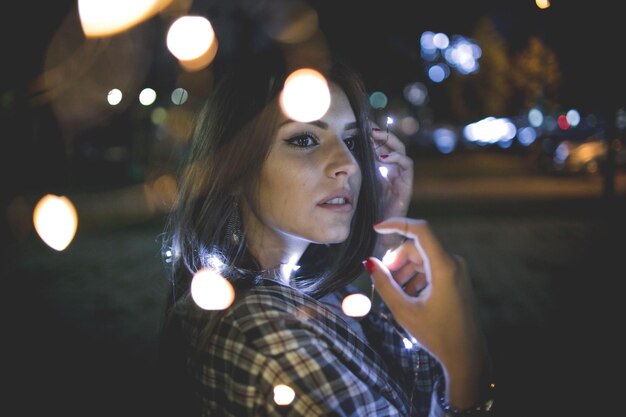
277 318
270 318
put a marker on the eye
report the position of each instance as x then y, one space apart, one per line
350 142
304 140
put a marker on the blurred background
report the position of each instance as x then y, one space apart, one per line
514 112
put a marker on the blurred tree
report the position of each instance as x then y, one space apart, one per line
505 84
536 76
488 91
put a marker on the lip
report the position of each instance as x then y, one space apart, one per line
338 208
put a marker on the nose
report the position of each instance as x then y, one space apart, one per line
341 161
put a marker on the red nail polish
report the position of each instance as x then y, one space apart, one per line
370 266
384 156
375 129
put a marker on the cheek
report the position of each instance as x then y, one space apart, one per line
285 190
356 182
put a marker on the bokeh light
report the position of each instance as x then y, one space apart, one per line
378 100
105 18
415 93
356 305
305 96
114 97
179 96
283 394
55 221
189 37
211 291
147 96
542 4
573 117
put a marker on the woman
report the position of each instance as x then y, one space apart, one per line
260 192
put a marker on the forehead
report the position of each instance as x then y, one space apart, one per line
339 103
340 110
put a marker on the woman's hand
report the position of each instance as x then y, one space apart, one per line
429 294
398 182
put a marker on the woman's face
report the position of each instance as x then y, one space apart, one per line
309 185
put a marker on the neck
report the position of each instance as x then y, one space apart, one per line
273 250
283 259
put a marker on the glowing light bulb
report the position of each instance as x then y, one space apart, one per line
283 394
290 266
356 305
211 291
55 221
305 96
407 343
389 257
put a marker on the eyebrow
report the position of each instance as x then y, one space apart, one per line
320 124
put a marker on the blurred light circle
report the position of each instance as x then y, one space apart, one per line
147 96
437 73
409 125
356 305
535 117
573 117
526 135
189 37
211 291
55 221
441 40
542 4
378 100
106 18
158 116
179 96
114 96
283 394
415 93
305 96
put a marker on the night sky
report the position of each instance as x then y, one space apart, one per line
379 38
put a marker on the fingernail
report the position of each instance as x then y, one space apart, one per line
375 129
370 266
384 156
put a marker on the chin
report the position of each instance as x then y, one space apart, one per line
335 238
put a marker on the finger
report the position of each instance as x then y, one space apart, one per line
394 143
406 273
416 285
400 225
388 289
403 161
394 259
387 138
416 229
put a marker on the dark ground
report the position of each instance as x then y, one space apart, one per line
82 324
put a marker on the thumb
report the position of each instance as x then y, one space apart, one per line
389 290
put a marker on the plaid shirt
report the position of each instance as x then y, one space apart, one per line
335 364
